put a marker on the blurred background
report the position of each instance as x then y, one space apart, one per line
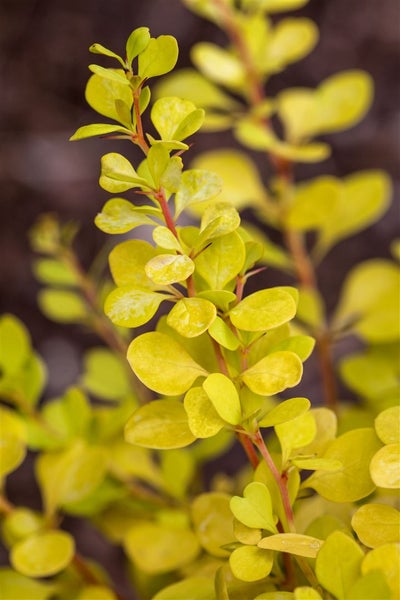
43 63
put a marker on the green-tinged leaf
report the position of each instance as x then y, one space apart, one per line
255 508
249 563
376 524
165 239
265 309
273 255
127 262
222 334
15 586
15 345
157 161
12 441
197 186
221 261
178 470
316 464
384 559
67 417
118 175
136 43
195 588
370 586
157 548
353 481
221 298
338 564
105 374
165 269
298 109
387 425
161 424
96 592
43 554
70 475
87 131
360 201
326 423
369 301
290 40
116 75
217 220
313 204
296 433
310 308
246 535
274 373
293 543
120 216
213 522
192 316
191 85
224 397
19 524
233 166
203 419
285 411
126 461
54 272
218 64
343 100
159 56
302 345
385 467
306 593
63 306
101 94
129 307
99 49
176 119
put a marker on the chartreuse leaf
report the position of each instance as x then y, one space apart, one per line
136 43
302 345
274 373
385 467
222 334
158 57
361 200
265 309
96 592
68 417
224 397
62 306
369 301
176 119
290 40
127 262
12 441
104 374
54 272
161 424
221 261
116 75
164 238
126 461
387 425
196 588
213 522
353 481
218 64
293 543
370 586
158 548
306 593
298 109
376 524
19 524
295 433
192 316
338 564
255 508
384 559
120 216
118 175
272 6
233 166
101 94
15 345
313 203
165 269
178 468
70 475
129 307
203 419
196 186
217 220
249 563
15 586
87 131
43 554
285 411
99 49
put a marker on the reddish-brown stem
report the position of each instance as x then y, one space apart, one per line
220 359
161 199
280 480
303 266
248 447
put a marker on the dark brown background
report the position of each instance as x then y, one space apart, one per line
43 71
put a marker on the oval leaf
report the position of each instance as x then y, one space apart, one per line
43 554
264 310
274 373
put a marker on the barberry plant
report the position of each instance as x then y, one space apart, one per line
198 354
